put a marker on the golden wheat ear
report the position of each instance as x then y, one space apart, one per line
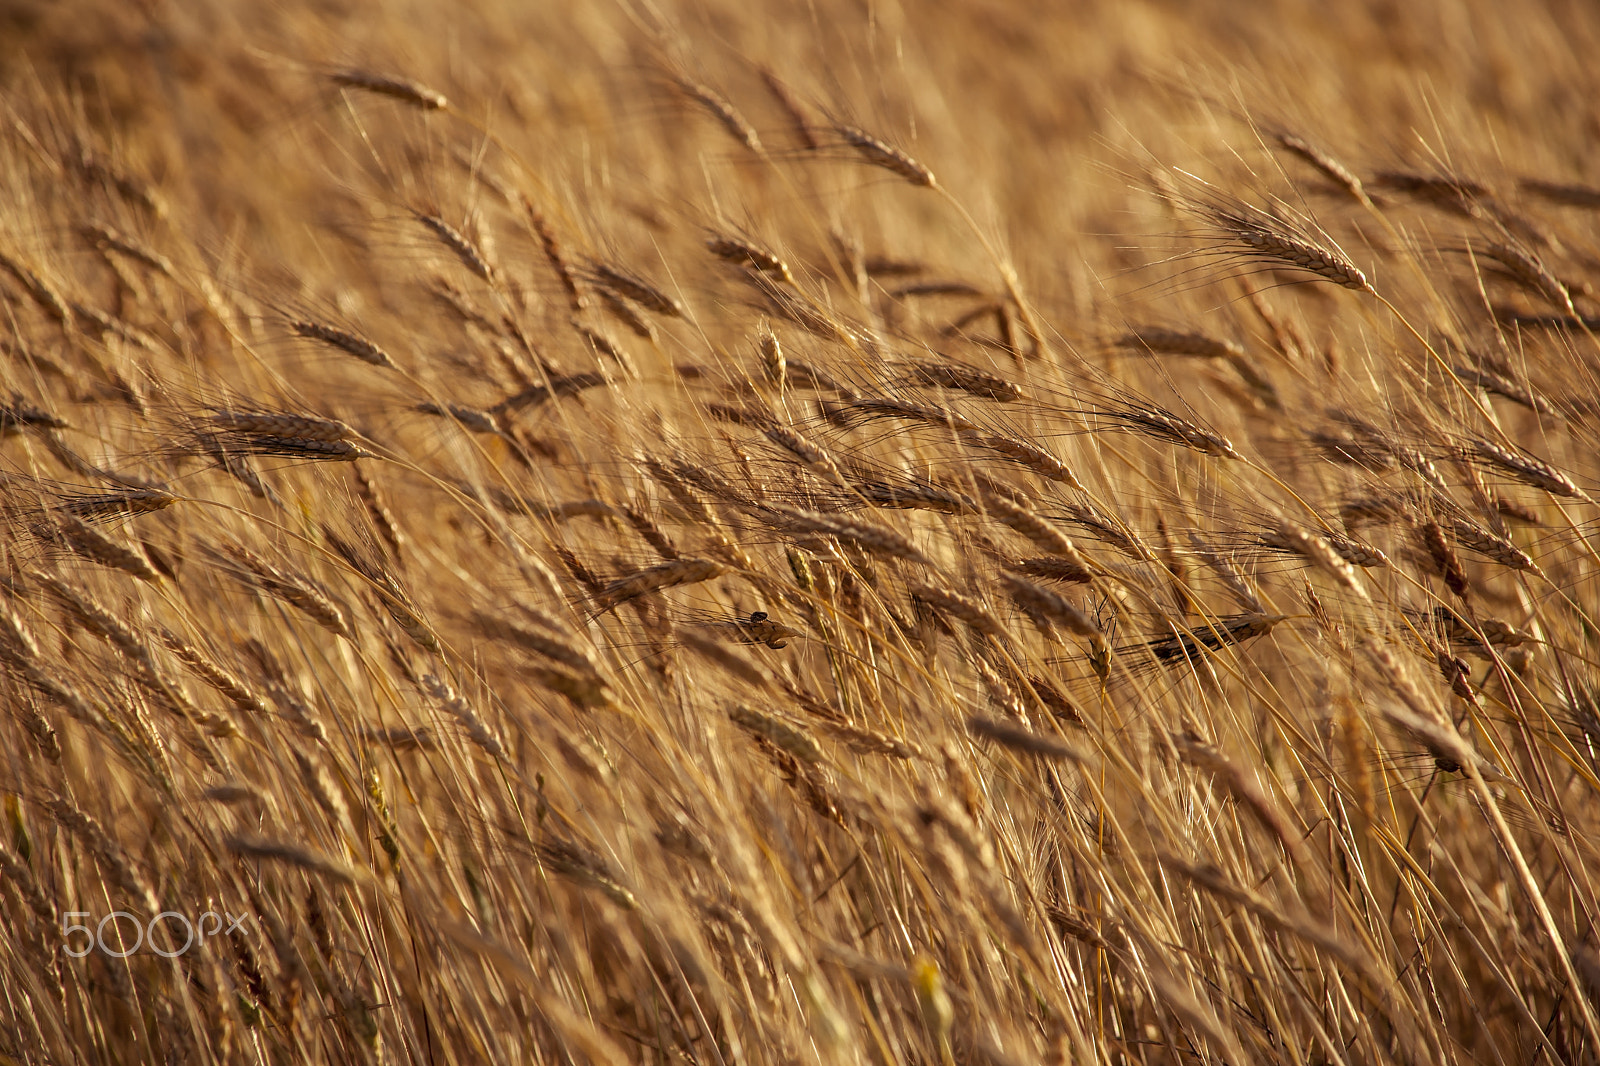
1272 241
393 86
881 154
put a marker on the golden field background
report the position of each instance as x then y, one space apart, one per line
735 534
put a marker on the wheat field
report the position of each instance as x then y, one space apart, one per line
758 533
